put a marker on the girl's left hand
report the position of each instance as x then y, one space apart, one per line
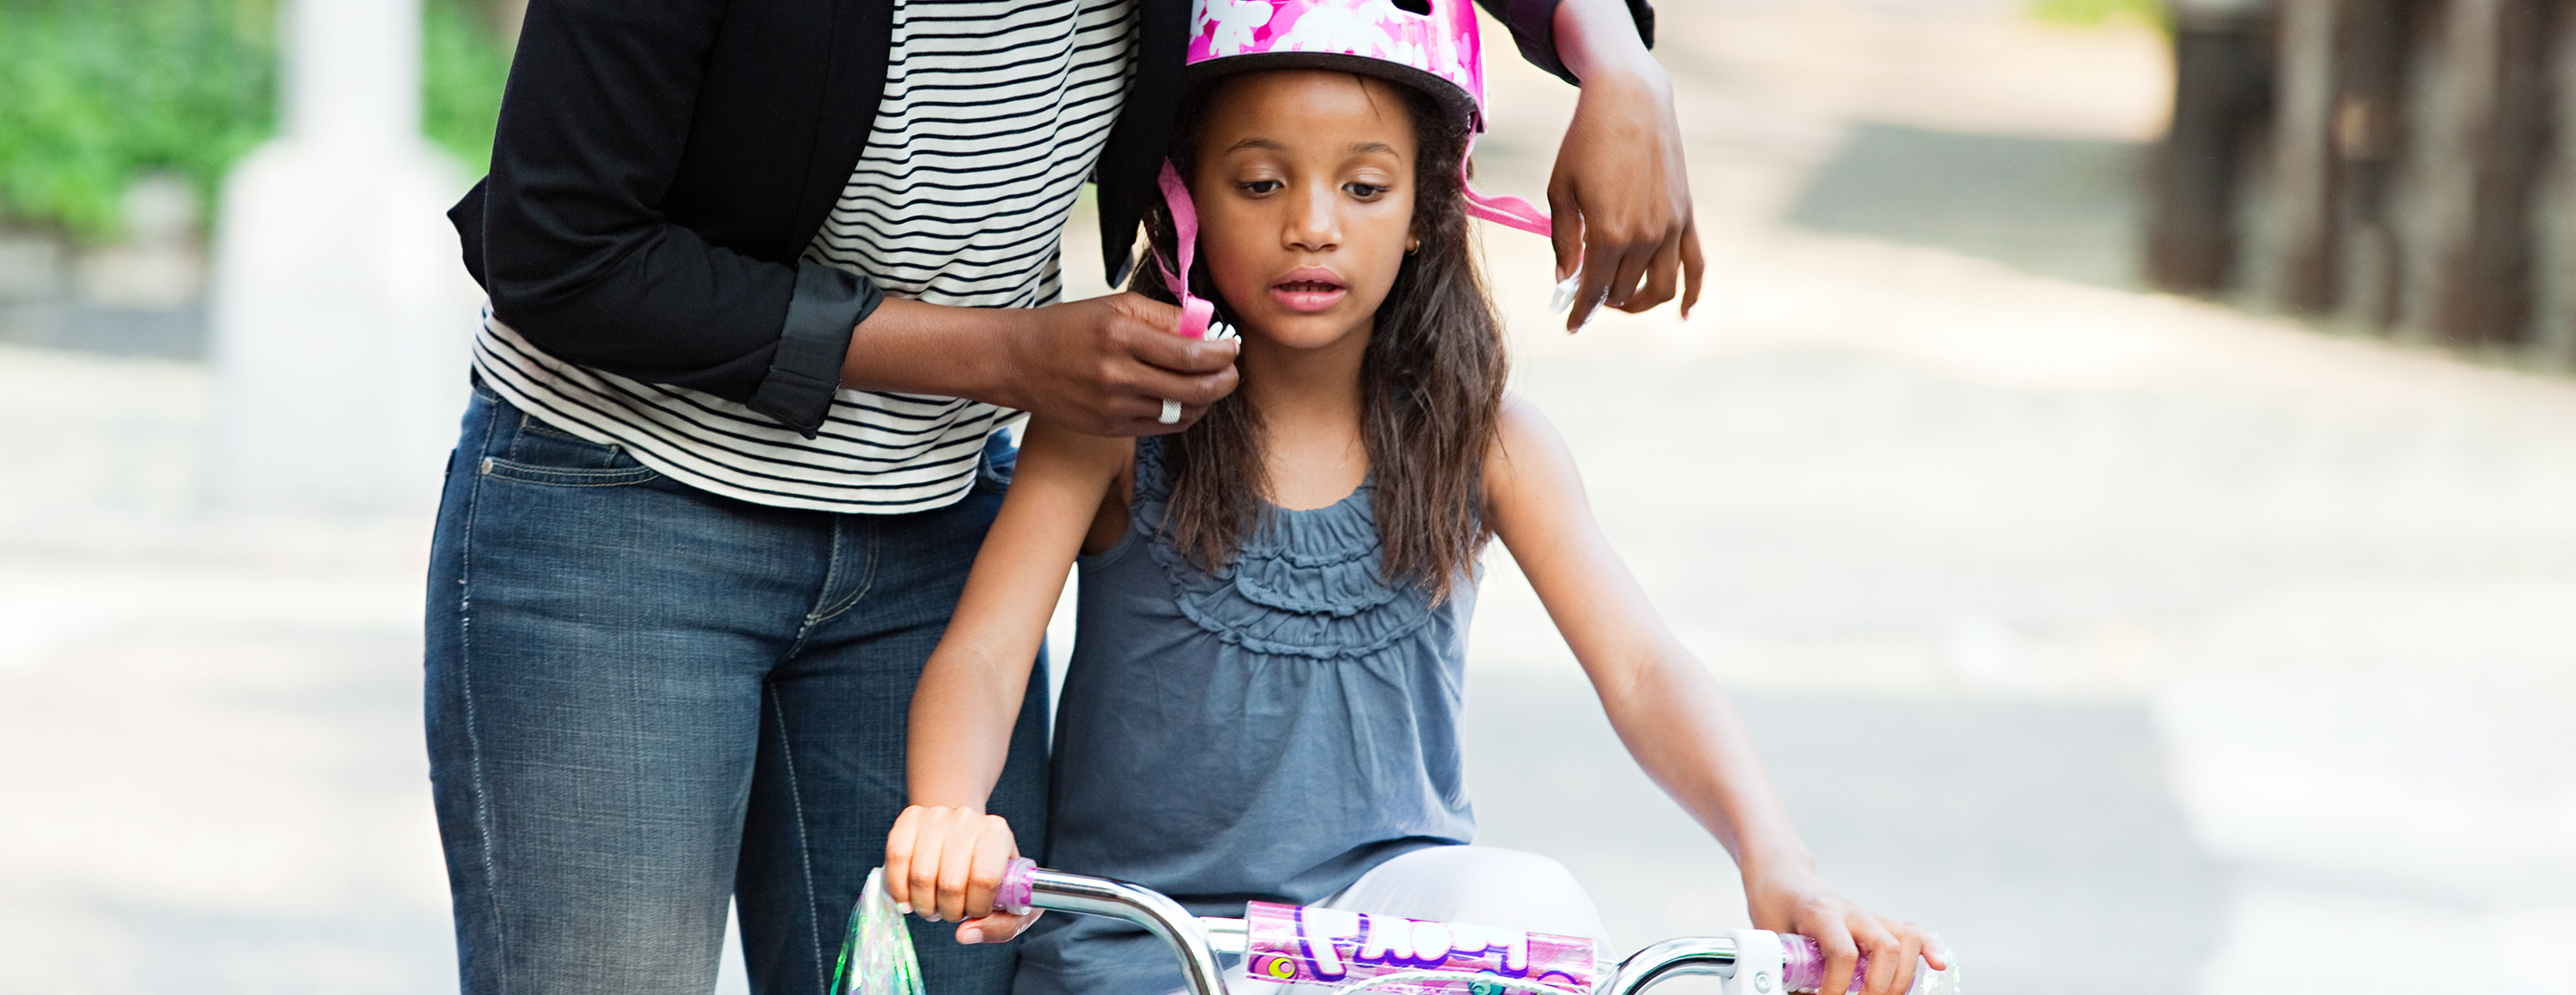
1798 902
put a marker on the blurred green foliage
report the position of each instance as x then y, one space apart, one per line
2096 13
95 93
462 67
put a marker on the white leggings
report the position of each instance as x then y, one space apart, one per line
1483 885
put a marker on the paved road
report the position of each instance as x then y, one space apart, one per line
2133 644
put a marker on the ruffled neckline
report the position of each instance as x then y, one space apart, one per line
1307 583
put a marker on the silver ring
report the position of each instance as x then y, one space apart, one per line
1171 413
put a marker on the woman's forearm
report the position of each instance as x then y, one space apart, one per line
1102 366
917 348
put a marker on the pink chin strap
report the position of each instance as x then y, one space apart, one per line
1198 312
1506 210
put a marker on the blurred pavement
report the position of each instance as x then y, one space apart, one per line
2131 643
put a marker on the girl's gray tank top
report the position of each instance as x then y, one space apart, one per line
1269 731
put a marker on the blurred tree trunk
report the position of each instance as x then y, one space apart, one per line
2220 93
2492 130
2307 176
2554 329
2369 127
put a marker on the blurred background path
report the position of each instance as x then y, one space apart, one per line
2131 643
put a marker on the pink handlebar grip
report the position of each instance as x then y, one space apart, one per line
1017 888
1805 967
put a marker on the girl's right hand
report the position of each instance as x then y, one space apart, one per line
1796 901
946 864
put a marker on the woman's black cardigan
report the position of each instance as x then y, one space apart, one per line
662 165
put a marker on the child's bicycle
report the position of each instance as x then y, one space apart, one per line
1353 951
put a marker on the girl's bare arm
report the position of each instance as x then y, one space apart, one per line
1667 709
946 855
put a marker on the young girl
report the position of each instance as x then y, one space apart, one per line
1264 696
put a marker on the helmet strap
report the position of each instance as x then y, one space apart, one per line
1196 312
1505 210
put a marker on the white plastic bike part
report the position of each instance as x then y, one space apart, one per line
1758 957
1226 936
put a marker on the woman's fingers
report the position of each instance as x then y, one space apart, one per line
1159 385
1632 269
1569 231
1663 274
1105 366
1149 338
1565 224
1621 189
1594 287
1694 266
1636 263
1149 365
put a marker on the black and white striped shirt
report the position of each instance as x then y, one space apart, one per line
993 113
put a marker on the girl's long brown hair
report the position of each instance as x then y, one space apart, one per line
1431 384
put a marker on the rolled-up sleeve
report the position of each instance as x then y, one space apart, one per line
568 238
1533 26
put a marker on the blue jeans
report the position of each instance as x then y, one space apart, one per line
644 699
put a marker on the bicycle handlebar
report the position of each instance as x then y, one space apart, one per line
1690 955
1195 941
1157 913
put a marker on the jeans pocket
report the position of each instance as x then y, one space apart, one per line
539 453
494 466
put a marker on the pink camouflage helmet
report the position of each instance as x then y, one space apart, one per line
1430 45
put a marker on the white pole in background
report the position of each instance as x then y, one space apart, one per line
340 309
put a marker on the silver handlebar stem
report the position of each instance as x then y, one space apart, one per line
1159 915
1700 955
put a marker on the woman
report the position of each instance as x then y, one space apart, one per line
764 279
